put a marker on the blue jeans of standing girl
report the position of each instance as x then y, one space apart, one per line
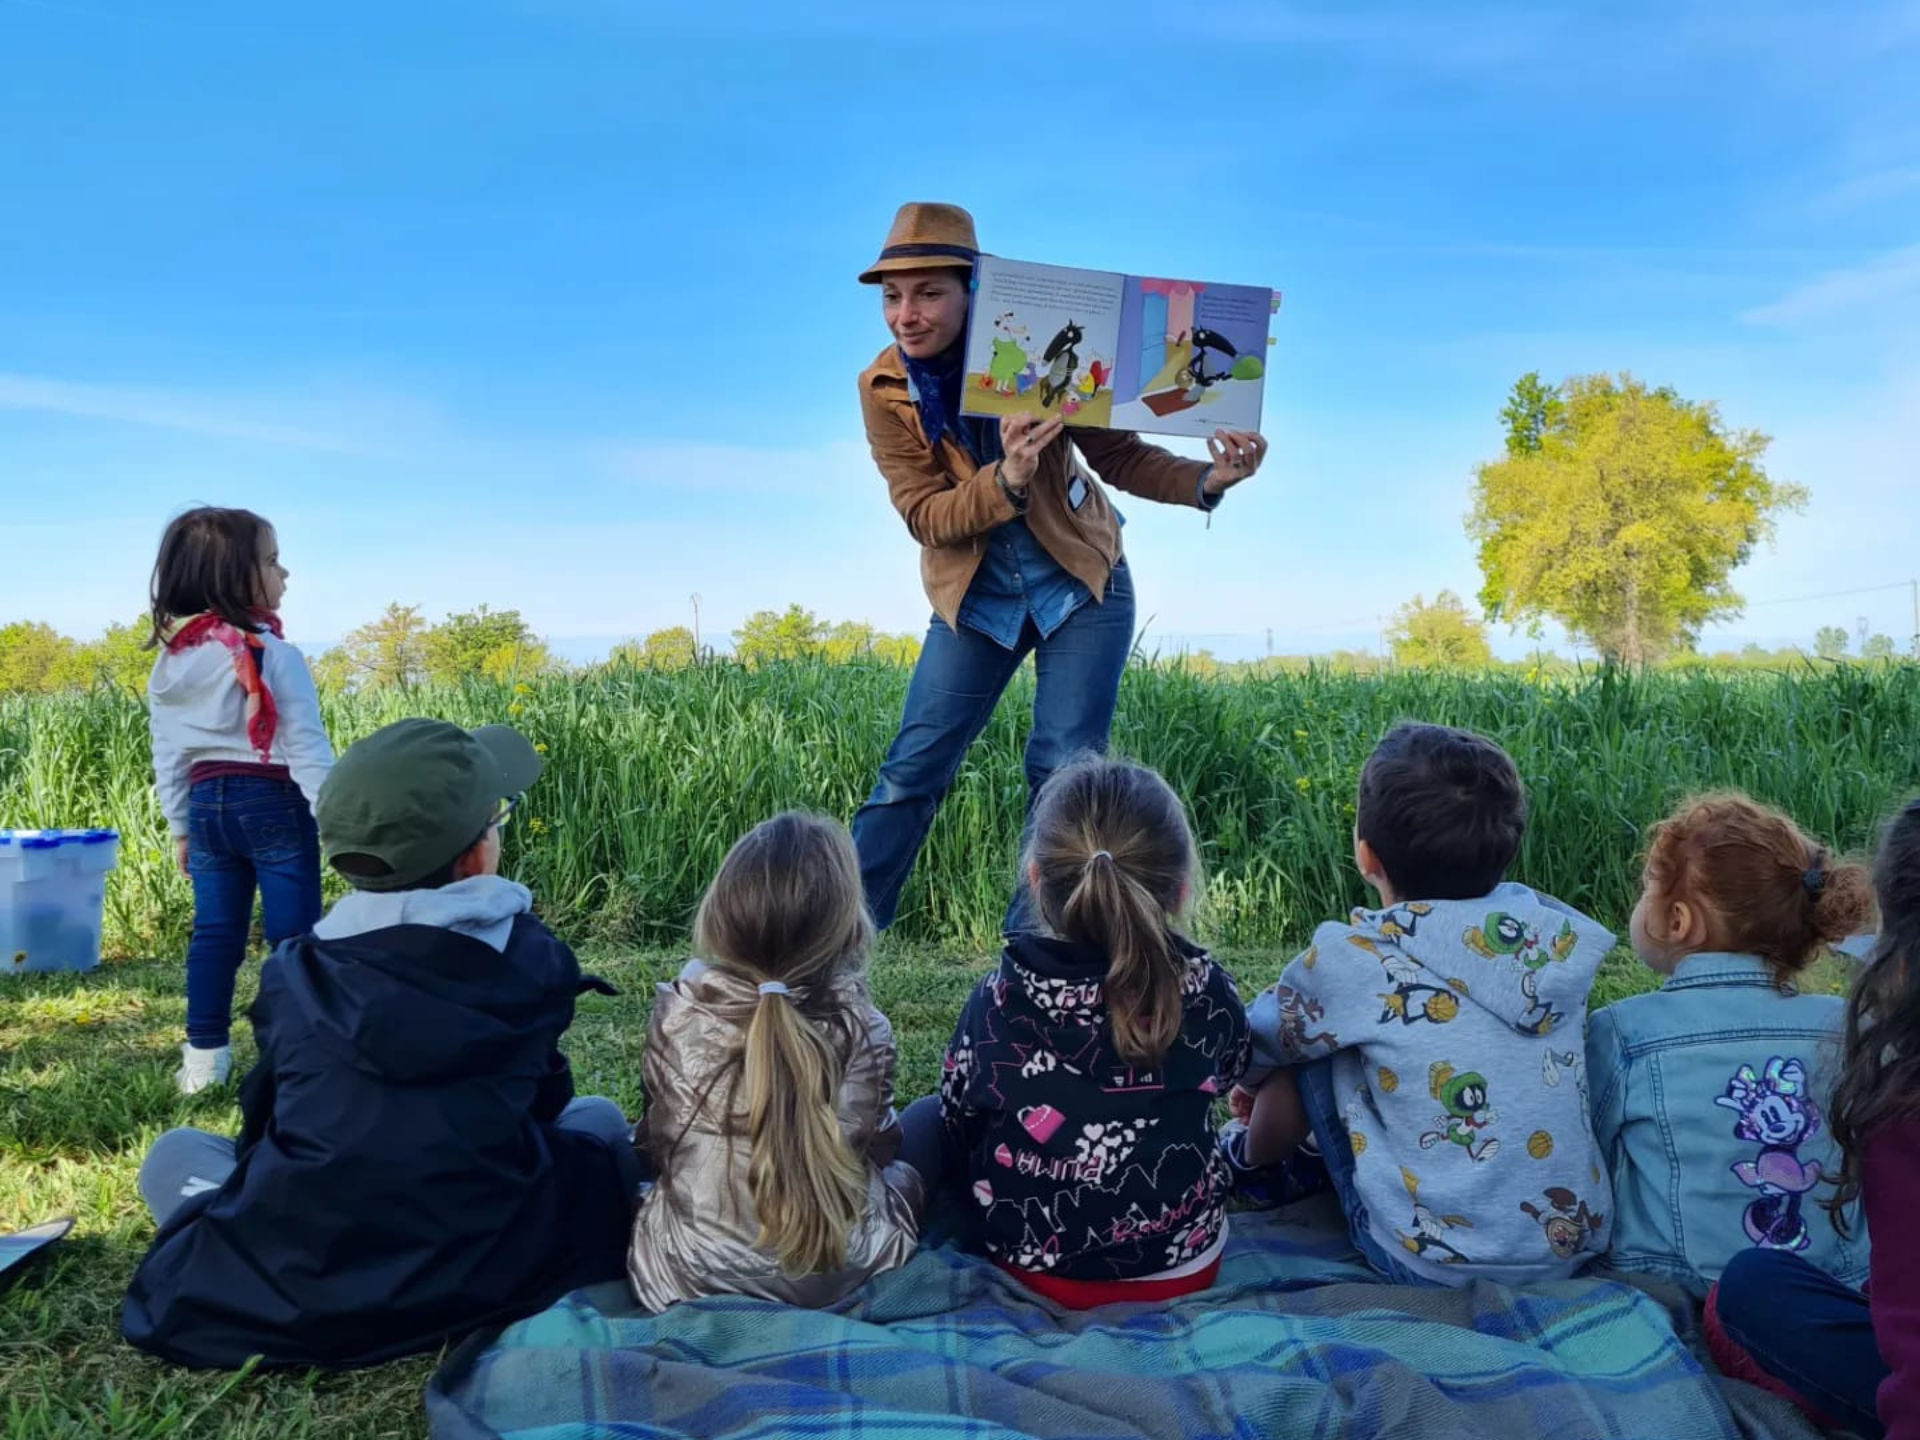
244 832
960 677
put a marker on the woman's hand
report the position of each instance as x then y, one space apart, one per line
180 855
1024 437
1236 455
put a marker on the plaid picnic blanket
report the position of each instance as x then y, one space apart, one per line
1296 1339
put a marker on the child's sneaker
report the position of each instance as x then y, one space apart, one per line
1267 1187
202 1069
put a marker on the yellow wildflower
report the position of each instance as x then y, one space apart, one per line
539 747
1299 734
522 688
515 709
1303 784
536 826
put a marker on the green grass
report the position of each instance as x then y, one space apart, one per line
86 1086
651 776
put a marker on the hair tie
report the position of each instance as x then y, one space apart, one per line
774 987
1106 855
1815 880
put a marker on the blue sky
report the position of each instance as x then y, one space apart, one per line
550 303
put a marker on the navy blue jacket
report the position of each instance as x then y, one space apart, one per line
400 1181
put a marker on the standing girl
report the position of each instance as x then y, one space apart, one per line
769 1077
1710 1094
1079 1088
1852 1360
239 753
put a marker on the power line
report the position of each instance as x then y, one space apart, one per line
1832 595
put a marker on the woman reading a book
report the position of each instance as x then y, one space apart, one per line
1020 549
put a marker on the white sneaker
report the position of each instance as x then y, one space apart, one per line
201 1069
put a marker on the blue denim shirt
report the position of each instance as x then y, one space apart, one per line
1708 1102
1018 579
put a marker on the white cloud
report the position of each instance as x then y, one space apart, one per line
1892 277
168 411
1874 187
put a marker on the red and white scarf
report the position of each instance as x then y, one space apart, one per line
247 648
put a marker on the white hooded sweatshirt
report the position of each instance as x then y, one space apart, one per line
199 712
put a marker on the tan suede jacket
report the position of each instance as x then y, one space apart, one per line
696 1231
950 504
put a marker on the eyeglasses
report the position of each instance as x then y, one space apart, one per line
505 813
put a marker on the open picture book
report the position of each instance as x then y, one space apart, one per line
1116 352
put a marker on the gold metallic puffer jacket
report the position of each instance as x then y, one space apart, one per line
696 1229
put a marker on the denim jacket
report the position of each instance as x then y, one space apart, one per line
1708 1099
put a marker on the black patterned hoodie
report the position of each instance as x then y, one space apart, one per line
1080 1164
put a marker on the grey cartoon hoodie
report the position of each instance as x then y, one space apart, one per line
1456 1029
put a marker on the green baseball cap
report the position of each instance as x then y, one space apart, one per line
416 795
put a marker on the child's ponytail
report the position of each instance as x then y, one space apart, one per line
787 912
809 1189
1773 891
1116 912
1111 861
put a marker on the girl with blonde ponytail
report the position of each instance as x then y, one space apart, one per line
1081 1080
769 1078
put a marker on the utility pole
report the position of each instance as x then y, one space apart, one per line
696 628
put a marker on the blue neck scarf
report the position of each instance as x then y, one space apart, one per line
937 386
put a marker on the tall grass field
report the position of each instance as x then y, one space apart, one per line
652 775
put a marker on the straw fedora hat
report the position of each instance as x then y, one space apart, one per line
926 237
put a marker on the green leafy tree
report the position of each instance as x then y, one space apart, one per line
1442 636
1830 642
389 651
901 650
32 656
771 635
118 659
849 640
1621 512
1531 411
670 649
497 644
1879 647
333 669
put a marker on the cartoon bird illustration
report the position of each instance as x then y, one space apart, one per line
1096 376
1195 375
1430 1230
1062 360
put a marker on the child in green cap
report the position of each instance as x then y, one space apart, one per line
413 1163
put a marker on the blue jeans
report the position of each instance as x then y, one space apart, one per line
243 831
1803 1329
1317 1098
957 682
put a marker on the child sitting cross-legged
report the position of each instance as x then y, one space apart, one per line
412 1163
1078 1090
769 1080
1431 1049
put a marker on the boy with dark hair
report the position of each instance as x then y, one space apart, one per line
413 1164
1431 1051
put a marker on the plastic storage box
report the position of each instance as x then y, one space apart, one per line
53 895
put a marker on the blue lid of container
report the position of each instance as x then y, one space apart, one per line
52 839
